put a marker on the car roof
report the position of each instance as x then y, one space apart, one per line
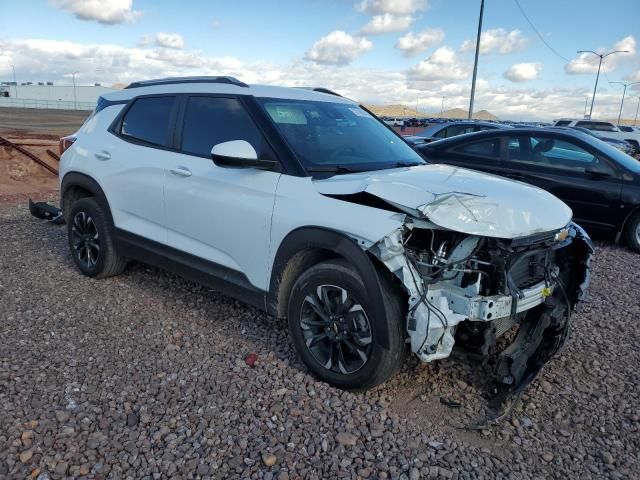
223 85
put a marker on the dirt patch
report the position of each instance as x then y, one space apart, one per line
37 131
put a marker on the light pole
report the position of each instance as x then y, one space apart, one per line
586 102
417 98
623 94
442 107
15 83
637 108
475 62
75 101
602 57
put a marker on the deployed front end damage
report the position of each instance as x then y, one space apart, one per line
490 266
478 293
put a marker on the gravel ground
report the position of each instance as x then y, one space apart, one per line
144 376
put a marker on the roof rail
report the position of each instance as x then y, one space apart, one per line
321 90
178 80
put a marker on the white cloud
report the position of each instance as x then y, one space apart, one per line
497 40
440 74
169 40
522 72
338 48
412 44
588 62
387 23
443 65
393 7
107 12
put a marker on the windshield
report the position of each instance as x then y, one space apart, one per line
337 137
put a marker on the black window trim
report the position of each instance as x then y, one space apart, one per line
288 162
116 126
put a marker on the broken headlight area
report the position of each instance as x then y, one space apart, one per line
505 302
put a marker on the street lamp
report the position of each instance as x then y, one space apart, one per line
623 94
602 57
475 62
75 101
442 107
637 108
15 83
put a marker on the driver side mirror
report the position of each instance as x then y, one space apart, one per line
240 154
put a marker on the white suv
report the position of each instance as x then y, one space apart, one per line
605 129
302 203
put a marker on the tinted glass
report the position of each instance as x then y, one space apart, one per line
440 133
563 123
485 148
210 120
454 130
551 153
148 119
325 135
600 126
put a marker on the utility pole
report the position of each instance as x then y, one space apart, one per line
442 107
15 83
602 57
417 97
475 63
586 102
637 108
75 101
623 94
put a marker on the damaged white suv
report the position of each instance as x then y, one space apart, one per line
302 203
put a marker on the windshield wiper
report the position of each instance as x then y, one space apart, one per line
408 164
332 169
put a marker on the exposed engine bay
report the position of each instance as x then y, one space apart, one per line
469 291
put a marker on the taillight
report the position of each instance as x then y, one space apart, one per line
66 142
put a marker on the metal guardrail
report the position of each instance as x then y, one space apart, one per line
52 104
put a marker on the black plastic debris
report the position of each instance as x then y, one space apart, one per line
45 211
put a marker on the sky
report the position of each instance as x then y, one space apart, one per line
413 52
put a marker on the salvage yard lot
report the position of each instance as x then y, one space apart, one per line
144 374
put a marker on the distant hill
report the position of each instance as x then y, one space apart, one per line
404 111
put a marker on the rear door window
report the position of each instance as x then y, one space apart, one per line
562 123
149 120
485 148
212 120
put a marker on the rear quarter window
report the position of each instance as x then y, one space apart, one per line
149 120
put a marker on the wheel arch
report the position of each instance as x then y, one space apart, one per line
307 246
625 224
76 185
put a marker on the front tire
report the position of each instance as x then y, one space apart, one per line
91 241
336 332
633 232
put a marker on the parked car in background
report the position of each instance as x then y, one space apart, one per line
451 129
604 129
303 204
394 122
599 182
621 145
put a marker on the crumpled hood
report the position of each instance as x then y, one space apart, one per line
459 199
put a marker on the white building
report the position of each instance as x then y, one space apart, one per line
51 96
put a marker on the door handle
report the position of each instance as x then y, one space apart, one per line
103 155
181 171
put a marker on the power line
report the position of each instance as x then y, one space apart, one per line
539 34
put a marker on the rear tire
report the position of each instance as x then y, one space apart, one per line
632 232
336 332
91 240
